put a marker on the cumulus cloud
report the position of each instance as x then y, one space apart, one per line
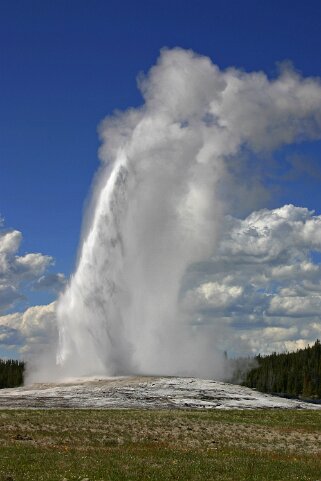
263 281
268 235
215 295
17 272
33 331
30 266
295 306
29 332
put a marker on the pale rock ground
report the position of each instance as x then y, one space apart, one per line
144 392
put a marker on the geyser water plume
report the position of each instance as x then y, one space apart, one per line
157 208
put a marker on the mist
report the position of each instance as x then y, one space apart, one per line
170 170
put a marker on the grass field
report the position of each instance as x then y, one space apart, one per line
127 445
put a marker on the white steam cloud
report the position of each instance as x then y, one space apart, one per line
170 170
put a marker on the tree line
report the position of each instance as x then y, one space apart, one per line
295 374
11 373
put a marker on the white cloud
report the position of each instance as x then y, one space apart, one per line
31 265
263 281
9 242
214 294
30 331
258 342
266 235
304 269
19 272
295 306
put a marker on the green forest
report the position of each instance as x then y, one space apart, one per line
294 374
11 373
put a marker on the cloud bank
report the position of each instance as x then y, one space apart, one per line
264 281
263 285
33 330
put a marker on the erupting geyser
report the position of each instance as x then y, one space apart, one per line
170 170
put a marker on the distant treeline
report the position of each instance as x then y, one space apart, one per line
295 374
11 373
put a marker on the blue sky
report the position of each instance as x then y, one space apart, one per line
65 65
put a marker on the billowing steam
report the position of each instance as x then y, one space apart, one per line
170 170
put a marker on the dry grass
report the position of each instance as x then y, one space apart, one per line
160 445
